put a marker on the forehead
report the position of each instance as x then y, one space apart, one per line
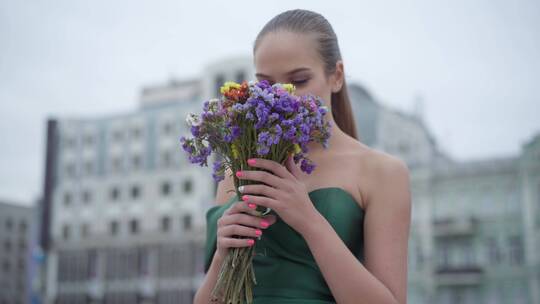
283 51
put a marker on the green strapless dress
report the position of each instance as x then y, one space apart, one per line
284 266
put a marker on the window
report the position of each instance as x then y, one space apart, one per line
165 223
89 167
135 191
187 186
167 127
113 227
116 164
515 250
9 224
165 188
88 140
144 261
20 265
494 254
69 142
22 245
67 198
65 232
187 222
240 76
118 135
166 159
219 81
7 245
86 196
70 170
6 266
134 226
92 263
419 255
84 230
136 132
136 161
115 193
22 226
403 147
467 251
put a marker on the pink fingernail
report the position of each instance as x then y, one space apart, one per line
245 197
251 242
252 206
238 173
258 232
251 161
264 223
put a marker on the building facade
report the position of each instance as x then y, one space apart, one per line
475 224
123 207
15 232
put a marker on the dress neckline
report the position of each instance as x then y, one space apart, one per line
341 190
310 193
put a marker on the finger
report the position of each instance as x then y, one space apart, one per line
234 242
259 189
263 177
244 219
240 230
262 201
292 167
270 165
271 218
241 207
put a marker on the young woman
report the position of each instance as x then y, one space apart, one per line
341 235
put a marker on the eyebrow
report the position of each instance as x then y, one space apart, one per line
288 73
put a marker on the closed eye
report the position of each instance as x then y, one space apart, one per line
299 82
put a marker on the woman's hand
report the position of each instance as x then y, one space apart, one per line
240 219
282 191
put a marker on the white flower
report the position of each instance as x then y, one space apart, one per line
193 120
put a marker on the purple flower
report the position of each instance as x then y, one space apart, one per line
290 133
195 131
263 150
217 174
236 131
263 137
307 166
185 144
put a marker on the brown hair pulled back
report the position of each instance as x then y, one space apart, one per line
309 22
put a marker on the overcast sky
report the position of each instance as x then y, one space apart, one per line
476 64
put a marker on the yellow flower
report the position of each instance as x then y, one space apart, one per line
227 86
289 87
235 152
297 148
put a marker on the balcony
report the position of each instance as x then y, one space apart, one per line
456 226
459 275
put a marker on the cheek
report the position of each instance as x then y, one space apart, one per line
317 88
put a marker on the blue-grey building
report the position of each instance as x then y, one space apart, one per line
15 232
122 216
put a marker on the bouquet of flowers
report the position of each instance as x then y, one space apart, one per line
253 119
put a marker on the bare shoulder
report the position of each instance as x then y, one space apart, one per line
225 189
380 172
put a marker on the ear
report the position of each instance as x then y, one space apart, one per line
339 77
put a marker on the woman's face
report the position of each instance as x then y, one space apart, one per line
288 57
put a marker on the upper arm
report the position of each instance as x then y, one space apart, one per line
386 226
223 192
